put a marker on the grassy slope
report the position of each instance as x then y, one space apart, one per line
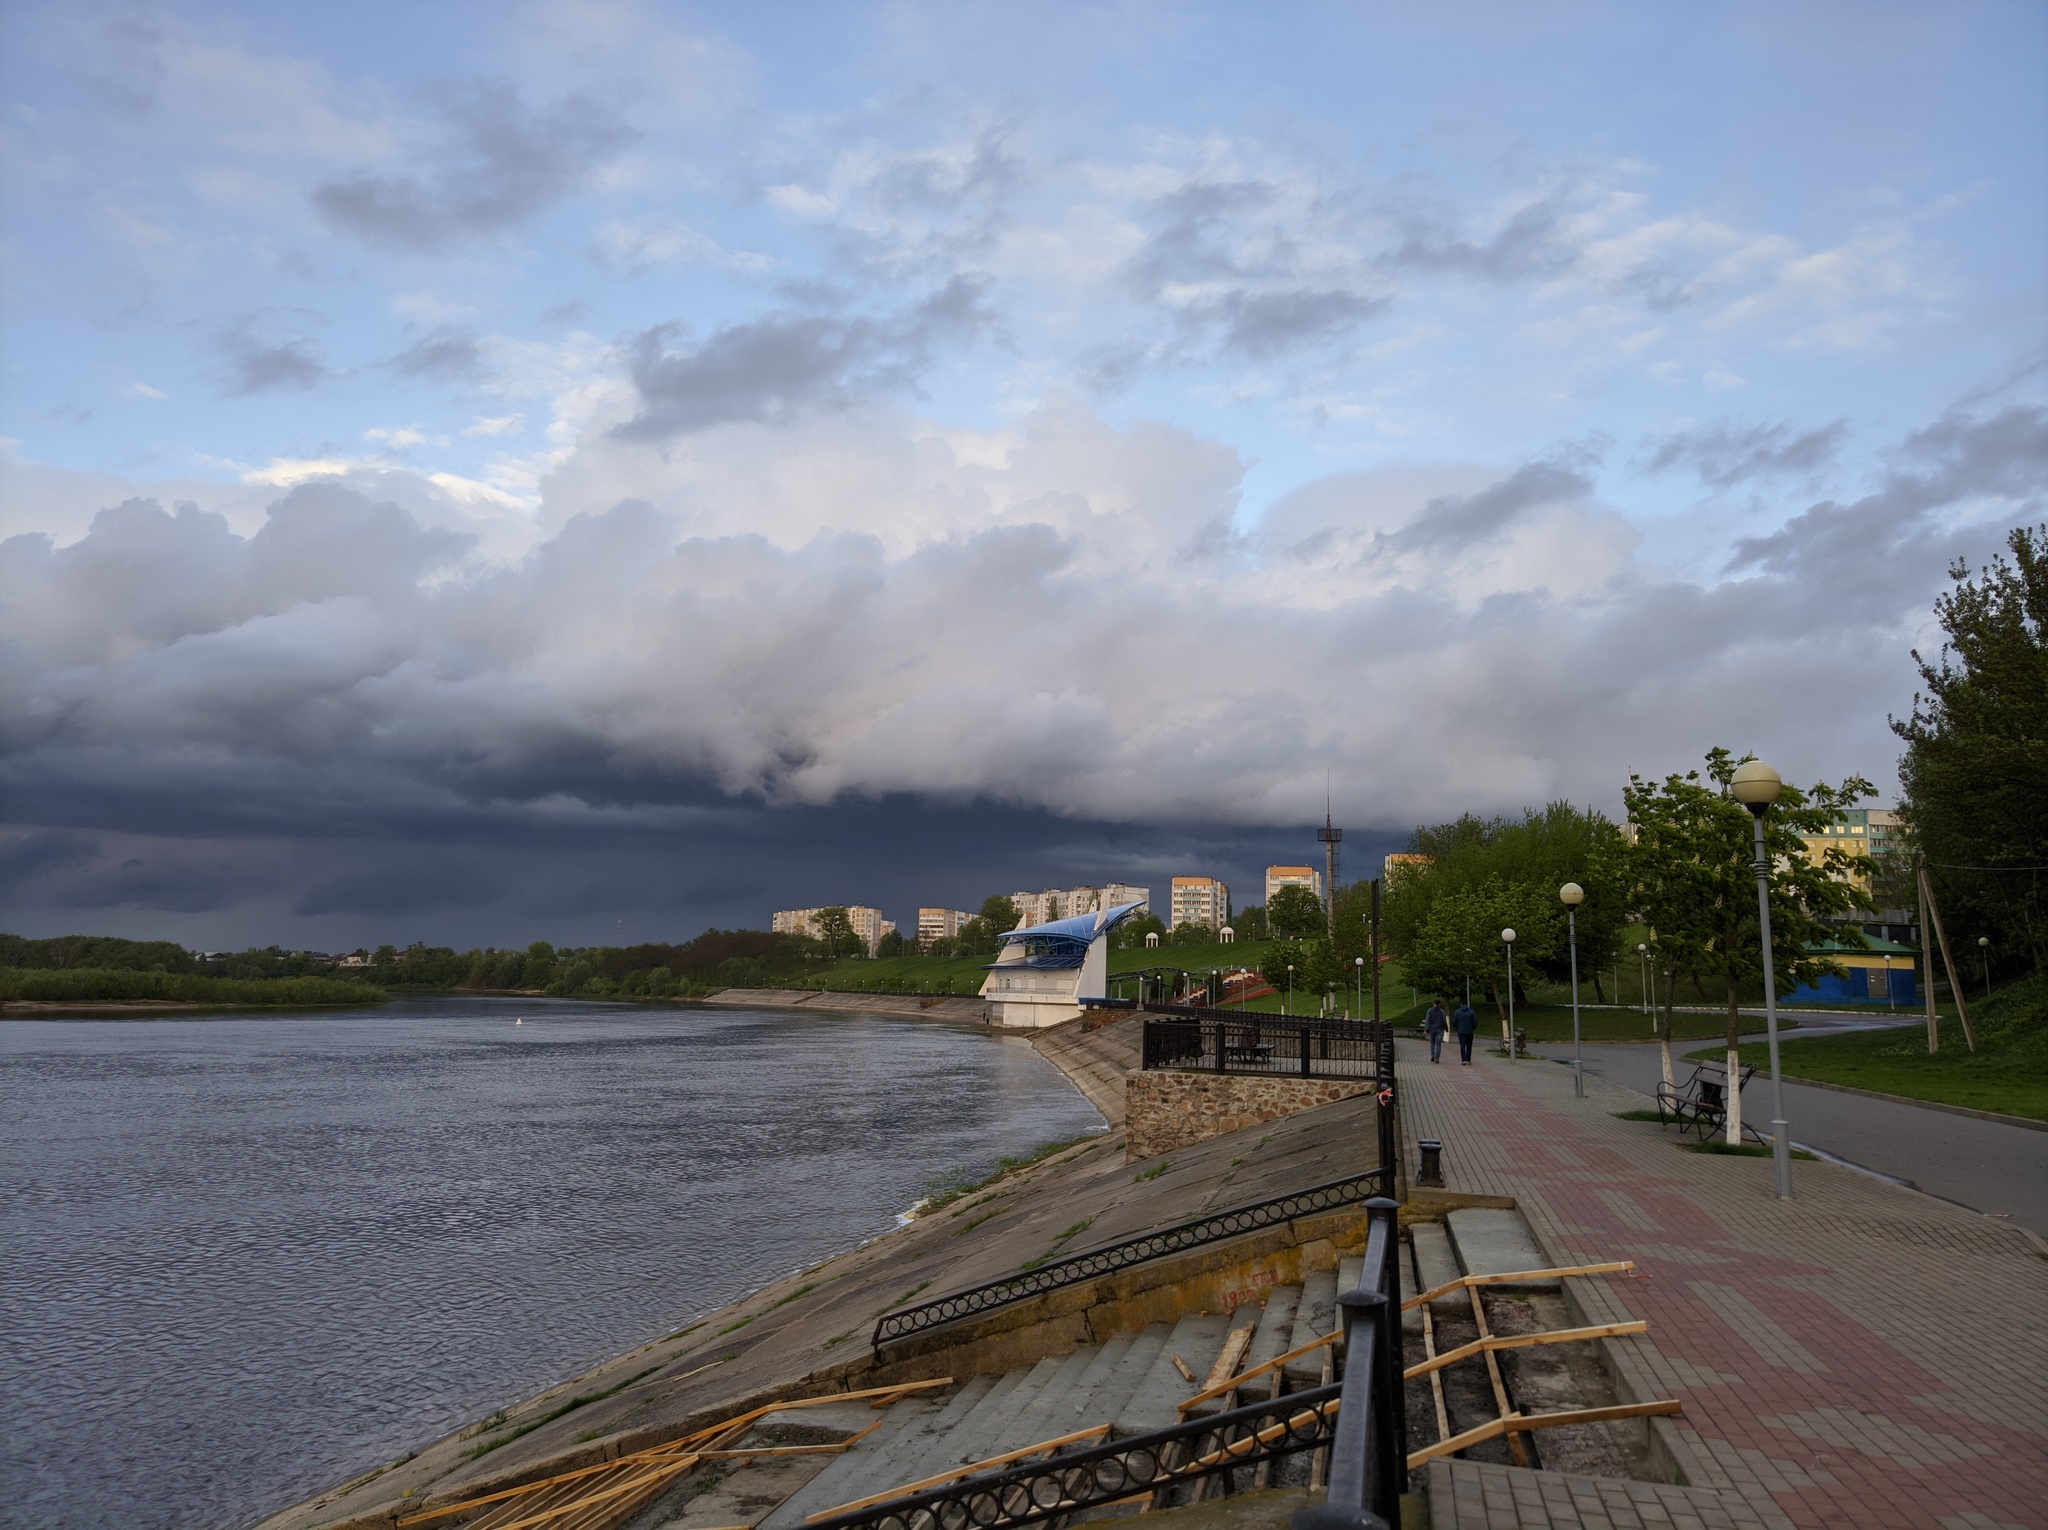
85 984
2008 1073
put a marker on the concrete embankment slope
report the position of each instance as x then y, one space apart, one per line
809 1333
930 1006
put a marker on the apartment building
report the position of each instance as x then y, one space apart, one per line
868 924
1401 864
936 924
1065 903
1278 877
1200 900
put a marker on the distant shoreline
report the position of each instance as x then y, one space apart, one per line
129 1009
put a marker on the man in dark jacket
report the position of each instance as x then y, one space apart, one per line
1434 1025
1465 1022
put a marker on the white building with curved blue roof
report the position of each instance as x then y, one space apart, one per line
1044 971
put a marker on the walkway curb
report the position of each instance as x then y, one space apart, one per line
1905 1099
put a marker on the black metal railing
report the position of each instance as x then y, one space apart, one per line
1369 1455
1238 1220
1360 1420
1225 1041
1104 1474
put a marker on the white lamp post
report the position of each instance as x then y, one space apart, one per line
1572 895
1984 951
1756 787
1290 988
1508 936
1359 962
1643 956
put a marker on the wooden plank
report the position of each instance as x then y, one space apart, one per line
1500 1388
1612 1267
1095 1432
1274 1365
1524 1341
1955 987
1232 1356
1436 1380
672 1447
1522 1423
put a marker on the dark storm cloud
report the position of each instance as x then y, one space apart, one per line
446 355
499 163
261 360
1889 536
772 369
341 719
1456 520
1725 454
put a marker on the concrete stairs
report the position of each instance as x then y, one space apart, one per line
1131 1382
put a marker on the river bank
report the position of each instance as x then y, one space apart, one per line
247 1257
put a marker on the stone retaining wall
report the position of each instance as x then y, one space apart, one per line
1165 1111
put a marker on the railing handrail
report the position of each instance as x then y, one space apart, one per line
1369 1453
1074 1268
1064 1484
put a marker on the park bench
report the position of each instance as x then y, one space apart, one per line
1700 1104
1246 1047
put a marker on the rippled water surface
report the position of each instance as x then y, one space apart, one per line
244 1258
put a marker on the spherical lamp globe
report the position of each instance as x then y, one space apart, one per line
1756 785
1571 894
1508 936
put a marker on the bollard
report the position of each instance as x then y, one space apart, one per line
1432 1172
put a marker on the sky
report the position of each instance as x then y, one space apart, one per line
479 473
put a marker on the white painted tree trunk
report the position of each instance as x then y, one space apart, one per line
1734 1098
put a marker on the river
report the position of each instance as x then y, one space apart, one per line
245 1258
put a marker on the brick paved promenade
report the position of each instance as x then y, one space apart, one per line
1863 1356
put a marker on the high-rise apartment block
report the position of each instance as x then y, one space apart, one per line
1064 903
868 924
937 924
1200 900
1278 877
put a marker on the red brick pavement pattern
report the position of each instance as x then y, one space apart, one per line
1862 1356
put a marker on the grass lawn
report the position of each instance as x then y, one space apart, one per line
2007 1074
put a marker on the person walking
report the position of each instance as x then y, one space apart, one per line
1465 1022
1434 1026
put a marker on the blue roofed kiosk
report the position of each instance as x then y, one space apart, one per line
1044 972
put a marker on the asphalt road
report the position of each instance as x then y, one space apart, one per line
1990 1167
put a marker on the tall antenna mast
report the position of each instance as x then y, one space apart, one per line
1329 834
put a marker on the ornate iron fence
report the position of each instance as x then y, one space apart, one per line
1224 1041
1105 1474
1075 1268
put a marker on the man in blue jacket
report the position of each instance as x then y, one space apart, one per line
1434 1025
1465 1022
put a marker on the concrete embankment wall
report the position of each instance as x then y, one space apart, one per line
809 1332
930 1006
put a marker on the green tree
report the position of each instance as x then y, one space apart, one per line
999 914
892 944
1250 922
1295 913
1281 955
835 933
1975 770
1130 935
539 968
1691 874
1460 940
1541 851
1189 933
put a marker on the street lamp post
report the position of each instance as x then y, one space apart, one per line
1984 952
1359 962
1756 787
1572 896
1643 957
1290 988
1508 936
